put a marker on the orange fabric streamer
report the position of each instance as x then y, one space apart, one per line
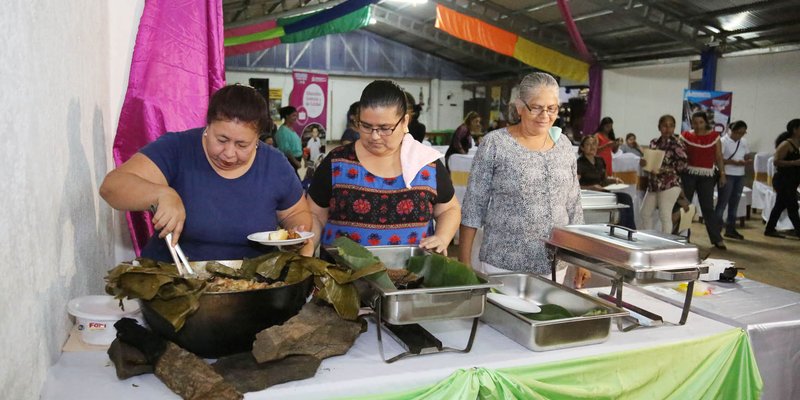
476 31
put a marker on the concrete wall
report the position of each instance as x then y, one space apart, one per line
764 95
56 118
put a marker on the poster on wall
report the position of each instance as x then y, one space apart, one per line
310 95
717 105
275 96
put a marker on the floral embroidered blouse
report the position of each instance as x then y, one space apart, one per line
376 211
675 163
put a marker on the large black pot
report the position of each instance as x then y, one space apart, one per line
227 323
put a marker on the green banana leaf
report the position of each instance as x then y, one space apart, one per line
357 257
440 271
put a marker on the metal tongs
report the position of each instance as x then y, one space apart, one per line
181 262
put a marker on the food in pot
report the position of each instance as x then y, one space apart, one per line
219 284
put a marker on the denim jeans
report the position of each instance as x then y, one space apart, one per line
729 196
704 186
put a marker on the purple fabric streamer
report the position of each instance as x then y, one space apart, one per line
591 118
178 62
574 34
328 15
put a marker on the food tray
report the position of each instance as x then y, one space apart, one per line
555 334
411 306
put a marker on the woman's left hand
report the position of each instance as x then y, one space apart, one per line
581 277
435 244
304 248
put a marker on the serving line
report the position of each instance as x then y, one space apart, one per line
362 372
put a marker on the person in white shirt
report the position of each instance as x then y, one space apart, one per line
314 144
734 154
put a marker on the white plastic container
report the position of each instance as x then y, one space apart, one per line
95 317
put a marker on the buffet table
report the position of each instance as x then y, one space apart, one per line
702 359
771 317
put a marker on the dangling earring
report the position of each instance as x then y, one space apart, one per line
205 132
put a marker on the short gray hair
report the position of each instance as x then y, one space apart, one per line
529 85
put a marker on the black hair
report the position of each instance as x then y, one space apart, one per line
384 93
737 125
583 140
239 103
628 136
286 111
664 118
790 128
700 114
352 112
605 121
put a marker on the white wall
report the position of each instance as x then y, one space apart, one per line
345 90
636 97
56 119
766 93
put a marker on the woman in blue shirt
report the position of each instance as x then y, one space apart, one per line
288 140
212 185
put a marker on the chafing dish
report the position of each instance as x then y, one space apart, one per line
628 256
555 334
401 310
600 207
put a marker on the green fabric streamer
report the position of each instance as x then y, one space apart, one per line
254 37
720 366
350 22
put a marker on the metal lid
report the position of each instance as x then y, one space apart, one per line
626 248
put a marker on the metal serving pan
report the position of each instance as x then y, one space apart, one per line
624 248
549 335
596 200
410 306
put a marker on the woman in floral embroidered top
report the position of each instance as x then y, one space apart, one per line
704 150
385 188
664 187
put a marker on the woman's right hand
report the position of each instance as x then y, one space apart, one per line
170 215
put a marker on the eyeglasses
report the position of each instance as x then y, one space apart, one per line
552 111
367 129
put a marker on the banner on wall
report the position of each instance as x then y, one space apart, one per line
716 104
310 97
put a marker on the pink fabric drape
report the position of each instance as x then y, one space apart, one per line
178 62
574 34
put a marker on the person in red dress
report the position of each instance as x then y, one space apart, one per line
704 150
605 142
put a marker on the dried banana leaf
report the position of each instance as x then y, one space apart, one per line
357 257
344 298
440 271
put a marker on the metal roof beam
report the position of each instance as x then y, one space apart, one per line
429 33
657 21
759 6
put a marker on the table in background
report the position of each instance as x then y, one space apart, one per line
771 317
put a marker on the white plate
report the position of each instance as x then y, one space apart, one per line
263 238
616 186
514 303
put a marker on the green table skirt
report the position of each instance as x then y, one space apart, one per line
721 366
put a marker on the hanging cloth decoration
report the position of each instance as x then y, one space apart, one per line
474 30
178 62
344 17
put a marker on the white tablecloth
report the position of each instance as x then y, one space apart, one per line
90 375
771 317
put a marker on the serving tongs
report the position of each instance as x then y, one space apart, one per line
181 262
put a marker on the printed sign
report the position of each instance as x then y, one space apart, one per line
716 104
310 97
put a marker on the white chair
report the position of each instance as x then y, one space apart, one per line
761 181
626 167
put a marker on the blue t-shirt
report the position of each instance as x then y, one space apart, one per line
221 212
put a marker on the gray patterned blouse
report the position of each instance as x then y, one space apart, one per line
518 196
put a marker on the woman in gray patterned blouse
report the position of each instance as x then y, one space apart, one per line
523 182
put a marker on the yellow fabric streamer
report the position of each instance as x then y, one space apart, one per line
551 61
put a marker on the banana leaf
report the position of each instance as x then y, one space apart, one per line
440 271
549 312
357 257
344 298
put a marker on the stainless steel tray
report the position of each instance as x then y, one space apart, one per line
410 306
596 200
623 248
549 335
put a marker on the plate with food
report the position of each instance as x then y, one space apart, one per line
281 237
